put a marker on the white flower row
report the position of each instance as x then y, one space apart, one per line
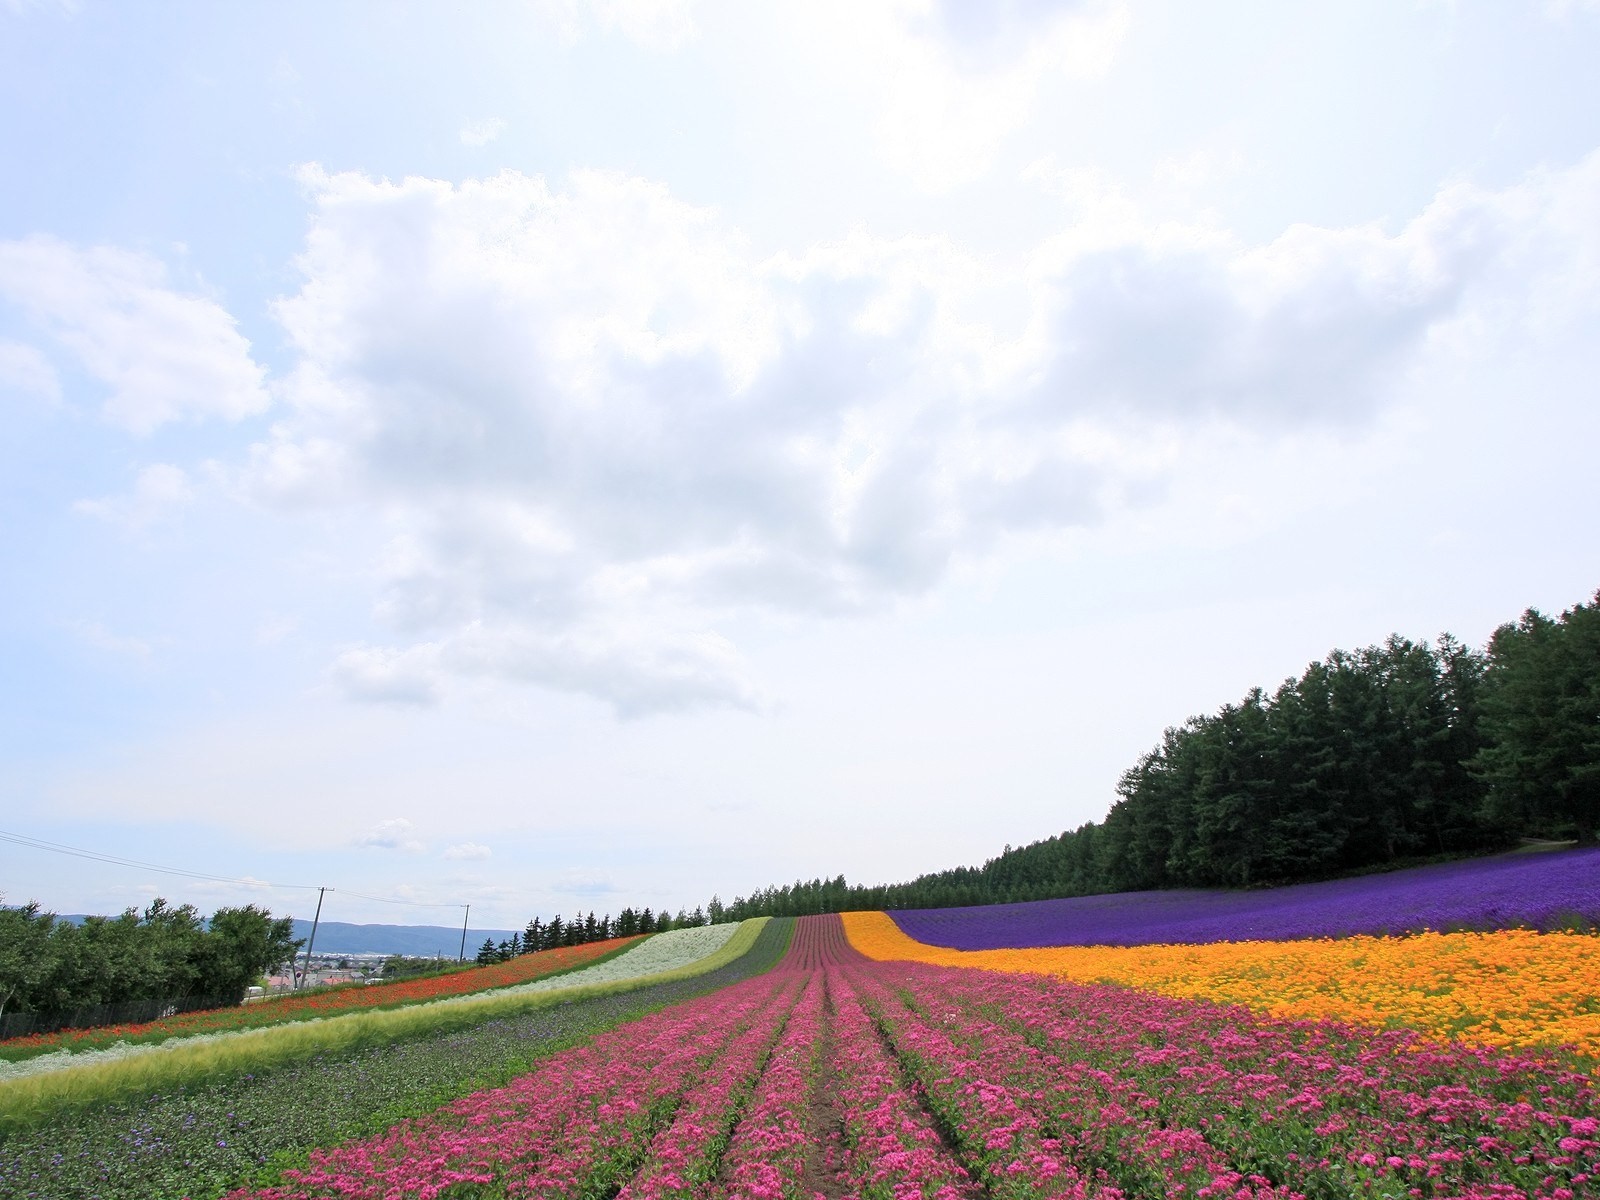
661 952
59 1060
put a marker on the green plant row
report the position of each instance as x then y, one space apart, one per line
214 1134
27 1101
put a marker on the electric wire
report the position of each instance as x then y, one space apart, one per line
34 843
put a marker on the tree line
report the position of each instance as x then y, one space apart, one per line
1373 758
585 927
48 965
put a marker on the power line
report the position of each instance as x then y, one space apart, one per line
386 900
78 852
33 843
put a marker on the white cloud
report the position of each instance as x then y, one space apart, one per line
159 489
64 7
163 354
654 24
658 25
583 882
396 833
388 676
95 634
601 430
467 851
481 133
23 369
954 79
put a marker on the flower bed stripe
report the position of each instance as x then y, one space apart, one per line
1545 891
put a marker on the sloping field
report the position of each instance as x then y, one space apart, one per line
837 1076
1545 891
279 1010
695 950
871 1066
218 1129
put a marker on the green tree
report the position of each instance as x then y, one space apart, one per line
240 946
24 950
1541 723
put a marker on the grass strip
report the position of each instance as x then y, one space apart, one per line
217 1132
27 1101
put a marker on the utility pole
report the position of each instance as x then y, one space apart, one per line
462 957
312 940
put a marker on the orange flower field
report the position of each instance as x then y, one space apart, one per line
1511 988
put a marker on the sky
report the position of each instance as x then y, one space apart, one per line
552 455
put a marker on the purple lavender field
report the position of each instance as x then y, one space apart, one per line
1538 891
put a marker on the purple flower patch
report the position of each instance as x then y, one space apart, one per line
1538 891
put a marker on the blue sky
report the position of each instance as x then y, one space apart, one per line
554 454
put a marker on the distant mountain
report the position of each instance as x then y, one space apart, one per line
418 941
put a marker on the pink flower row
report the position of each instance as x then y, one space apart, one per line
581 1124
767 1157
684 1157
1060 1089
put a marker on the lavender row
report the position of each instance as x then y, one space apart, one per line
1538 891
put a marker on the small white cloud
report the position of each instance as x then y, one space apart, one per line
97 635
163 354
397 833
464 851
662 25
274 628
481 133
958 84
581 882
386 676
23 369
158 490
66 8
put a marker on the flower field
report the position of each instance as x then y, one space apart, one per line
213 1133
1514 988
1546 891
839 1058
839 1076
302 1007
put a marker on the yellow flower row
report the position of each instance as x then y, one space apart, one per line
1509 988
